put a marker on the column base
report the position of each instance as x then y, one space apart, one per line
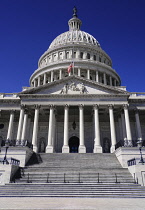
97 149
82 149
65 149
112 149
49 149
35 148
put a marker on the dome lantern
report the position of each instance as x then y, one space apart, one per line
74 23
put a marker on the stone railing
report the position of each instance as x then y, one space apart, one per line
128 143
15 143
131 162
137 94
9 95
15 162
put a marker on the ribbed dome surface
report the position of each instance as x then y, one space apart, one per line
77 36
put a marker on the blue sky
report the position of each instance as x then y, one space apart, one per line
27 27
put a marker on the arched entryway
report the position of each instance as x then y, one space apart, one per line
73 144
106 145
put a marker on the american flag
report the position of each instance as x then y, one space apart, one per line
70 67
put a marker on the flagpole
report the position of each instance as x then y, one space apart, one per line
73 59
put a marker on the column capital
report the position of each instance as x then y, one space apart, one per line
12 111
36 106
125 106
96 106
22 106
51 106
66 106
110 106
26 111
81 105
136 110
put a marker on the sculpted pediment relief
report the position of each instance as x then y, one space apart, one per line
74 88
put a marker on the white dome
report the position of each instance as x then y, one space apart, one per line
76 36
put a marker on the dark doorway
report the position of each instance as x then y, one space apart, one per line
73 144
106 145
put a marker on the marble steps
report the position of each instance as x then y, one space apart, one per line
73 190
79 160
87 165
74 177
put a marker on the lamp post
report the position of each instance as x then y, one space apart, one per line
5 157
139 143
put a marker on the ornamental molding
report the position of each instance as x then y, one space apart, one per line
94 96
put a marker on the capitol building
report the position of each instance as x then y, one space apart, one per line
75 104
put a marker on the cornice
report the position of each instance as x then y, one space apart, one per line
73 96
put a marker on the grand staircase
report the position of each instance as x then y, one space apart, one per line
74 175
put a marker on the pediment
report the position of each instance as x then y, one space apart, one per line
74 85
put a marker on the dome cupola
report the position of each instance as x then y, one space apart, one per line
90 60
74 23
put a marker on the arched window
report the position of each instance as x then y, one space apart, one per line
60 55
100 59
81 55
88 56
54 57
94 57
74 54
67 55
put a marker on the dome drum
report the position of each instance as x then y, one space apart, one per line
97 75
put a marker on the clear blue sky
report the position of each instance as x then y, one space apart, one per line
27 27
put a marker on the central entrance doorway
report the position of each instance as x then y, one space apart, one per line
73 144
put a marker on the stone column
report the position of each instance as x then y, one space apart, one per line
114 82
52 74
35 129
60 74
44 79
105 82
49 148
97 76
65 148
19 132
127 124
82 148
34 82
88 74
28 128
39 81
139 133
23 138
97 144
110 80
10 128
120 128
112 129
79 72
123 126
